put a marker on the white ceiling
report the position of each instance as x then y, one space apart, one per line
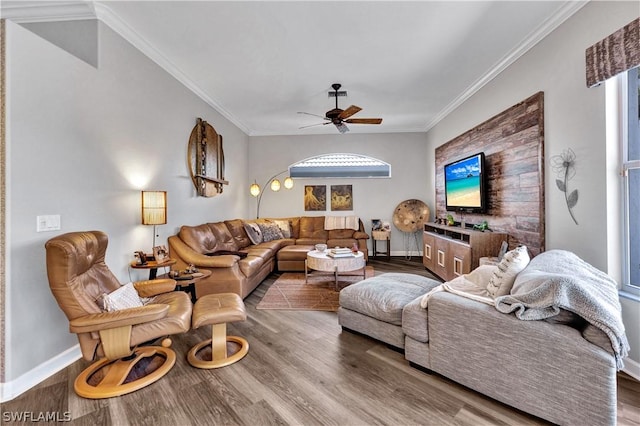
259 63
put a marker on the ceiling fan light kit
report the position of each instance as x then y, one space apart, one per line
338 117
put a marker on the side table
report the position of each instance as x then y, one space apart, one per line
187 282
377 236
153 266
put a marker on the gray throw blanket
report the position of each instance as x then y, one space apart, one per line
559 279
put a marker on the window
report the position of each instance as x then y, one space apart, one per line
631 173
340 165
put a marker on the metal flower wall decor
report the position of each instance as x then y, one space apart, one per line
564 166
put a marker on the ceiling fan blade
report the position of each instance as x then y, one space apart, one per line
313 125
349 111
315 115
342 128
364 120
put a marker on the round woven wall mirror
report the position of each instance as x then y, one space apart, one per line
410 215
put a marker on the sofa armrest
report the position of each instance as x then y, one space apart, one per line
189 256
359 235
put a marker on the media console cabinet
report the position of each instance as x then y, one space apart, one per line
450 251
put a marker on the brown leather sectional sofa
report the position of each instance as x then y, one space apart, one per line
238 265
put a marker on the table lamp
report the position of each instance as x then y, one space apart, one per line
154 209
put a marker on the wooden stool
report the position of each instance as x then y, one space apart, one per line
218 310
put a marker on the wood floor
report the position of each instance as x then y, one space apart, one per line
301 370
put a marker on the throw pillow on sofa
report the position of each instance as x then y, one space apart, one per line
253 232
285 227
270 232
512 263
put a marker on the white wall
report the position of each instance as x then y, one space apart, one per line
574 118
372 198
82 143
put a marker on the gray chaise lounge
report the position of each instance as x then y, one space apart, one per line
546 369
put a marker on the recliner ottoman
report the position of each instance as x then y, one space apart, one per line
374 306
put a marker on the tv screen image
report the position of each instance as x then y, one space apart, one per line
464 184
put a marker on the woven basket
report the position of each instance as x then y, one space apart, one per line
380 235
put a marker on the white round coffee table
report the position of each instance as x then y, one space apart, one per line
321 261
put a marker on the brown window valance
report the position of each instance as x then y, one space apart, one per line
615 54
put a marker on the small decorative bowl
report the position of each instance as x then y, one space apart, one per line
321 247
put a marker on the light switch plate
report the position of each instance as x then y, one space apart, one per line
48 223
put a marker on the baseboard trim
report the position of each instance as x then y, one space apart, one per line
15 388
632 368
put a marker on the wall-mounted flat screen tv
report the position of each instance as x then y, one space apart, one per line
464 182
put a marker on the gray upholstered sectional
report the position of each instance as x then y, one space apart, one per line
543 368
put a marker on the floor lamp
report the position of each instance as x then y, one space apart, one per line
275 185
154 210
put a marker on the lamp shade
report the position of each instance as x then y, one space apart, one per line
288 182
275 185
154 207
254 189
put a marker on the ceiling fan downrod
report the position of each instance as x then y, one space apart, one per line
336 87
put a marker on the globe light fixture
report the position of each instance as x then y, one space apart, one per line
275 186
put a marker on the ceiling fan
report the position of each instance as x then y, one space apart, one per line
339 117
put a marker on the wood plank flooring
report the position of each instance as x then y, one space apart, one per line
301 370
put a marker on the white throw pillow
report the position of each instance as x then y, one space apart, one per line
122 298
503 277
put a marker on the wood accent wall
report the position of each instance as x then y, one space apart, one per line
513 143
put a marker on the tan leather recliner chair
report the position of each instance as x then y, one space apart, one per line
78 277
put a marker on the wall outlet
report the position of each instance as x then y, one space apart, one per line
48 223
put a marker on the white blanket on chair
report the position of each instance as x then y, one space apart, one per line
341 222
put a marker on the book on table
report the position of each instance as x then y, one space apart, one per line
348 253
340 250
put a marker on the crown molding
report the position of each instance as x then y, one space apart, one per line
117 24
47 11
563 13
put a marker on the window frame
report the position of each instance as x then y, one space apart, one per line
340 165
628 93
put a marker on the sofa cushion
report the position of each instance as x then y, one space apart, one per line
200 238
502 279
263 250
338 234
383 297
253 232
224 239
250 265
310 241
312 228
236 228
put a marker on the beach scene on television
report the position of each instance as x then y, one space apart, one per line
463 183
